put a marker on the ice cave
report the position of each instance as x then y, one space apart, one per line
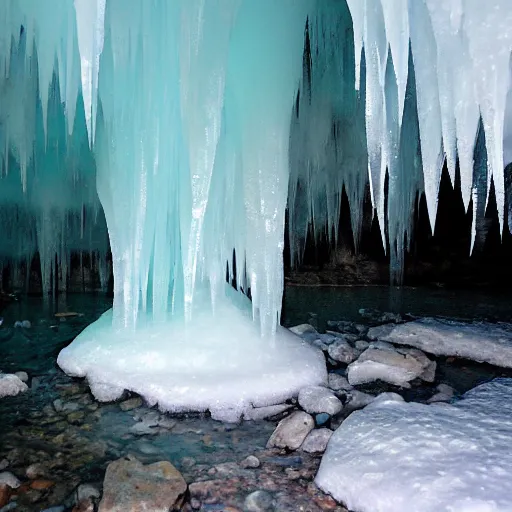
255 255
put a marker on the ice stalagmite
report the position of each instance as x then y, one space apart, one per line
191 149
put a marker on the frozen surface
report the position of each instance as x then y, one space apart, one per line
397 457
217 363
479 341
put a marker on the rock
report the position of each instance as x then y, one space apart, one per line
4 463
358 400
361 345
132 486
477 341
291 431
259 501
23 376
86 491
385 365
58 508
317 399
301 329
379 317
75 418
322 419
344 326
35 470
86 505
250 462
10 506
262 413
11 385
132 403
338 382
5 494
317 440
387 397
429 373
444 394
144 429
36 381
342 352
7 478
26 324
41 485
382 345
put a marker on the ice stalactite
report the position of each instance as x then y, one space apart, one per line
48 198
461 56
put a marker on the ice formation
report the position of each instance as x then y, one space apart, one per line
396 456
200 123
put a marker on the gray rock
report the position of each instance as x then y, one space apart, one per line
342 352
131 403
382 345
131 485
385 365
338 382
144 429
317 440
23 376
444 394
317 399
250 462
361 345
291 431
259 501
358 400
4 463
11 385
9 479
35 471
261 413
85 491
387 397
301 329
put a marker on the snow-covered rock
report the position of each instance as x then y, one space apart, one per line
317 399
7 478
388 366
342 352
478 341
11 385
291 431
437 457
317 440
337 382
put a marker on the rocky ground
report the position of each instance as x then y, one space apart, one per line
62 451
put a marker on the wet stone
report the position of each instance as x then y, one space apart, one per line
250 462
259 501
131 403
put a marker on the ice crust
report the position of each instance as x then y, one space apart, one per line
218 362
397 457
478 341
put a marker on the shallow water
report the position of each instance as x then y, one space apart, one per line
344 303
77 444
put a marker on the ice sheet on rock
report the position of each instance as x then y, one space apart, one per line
478 341
438 457
216 362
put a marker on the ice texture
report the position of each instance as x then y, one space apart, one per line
392 456
478 341
219 362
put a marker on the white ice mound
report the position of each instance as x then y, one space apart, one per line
399 457
11 385
479 341
218 363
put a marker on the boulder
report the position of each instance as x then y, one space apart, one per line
317 399
131 485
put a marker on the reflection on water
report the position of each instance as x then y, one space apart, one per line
344 303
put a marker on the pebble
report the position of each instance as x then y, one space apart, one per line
250 462
342 352
259 501
317 440
291 431
317 399
35 470
131 403
23 376
322 418
9 479
86 491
